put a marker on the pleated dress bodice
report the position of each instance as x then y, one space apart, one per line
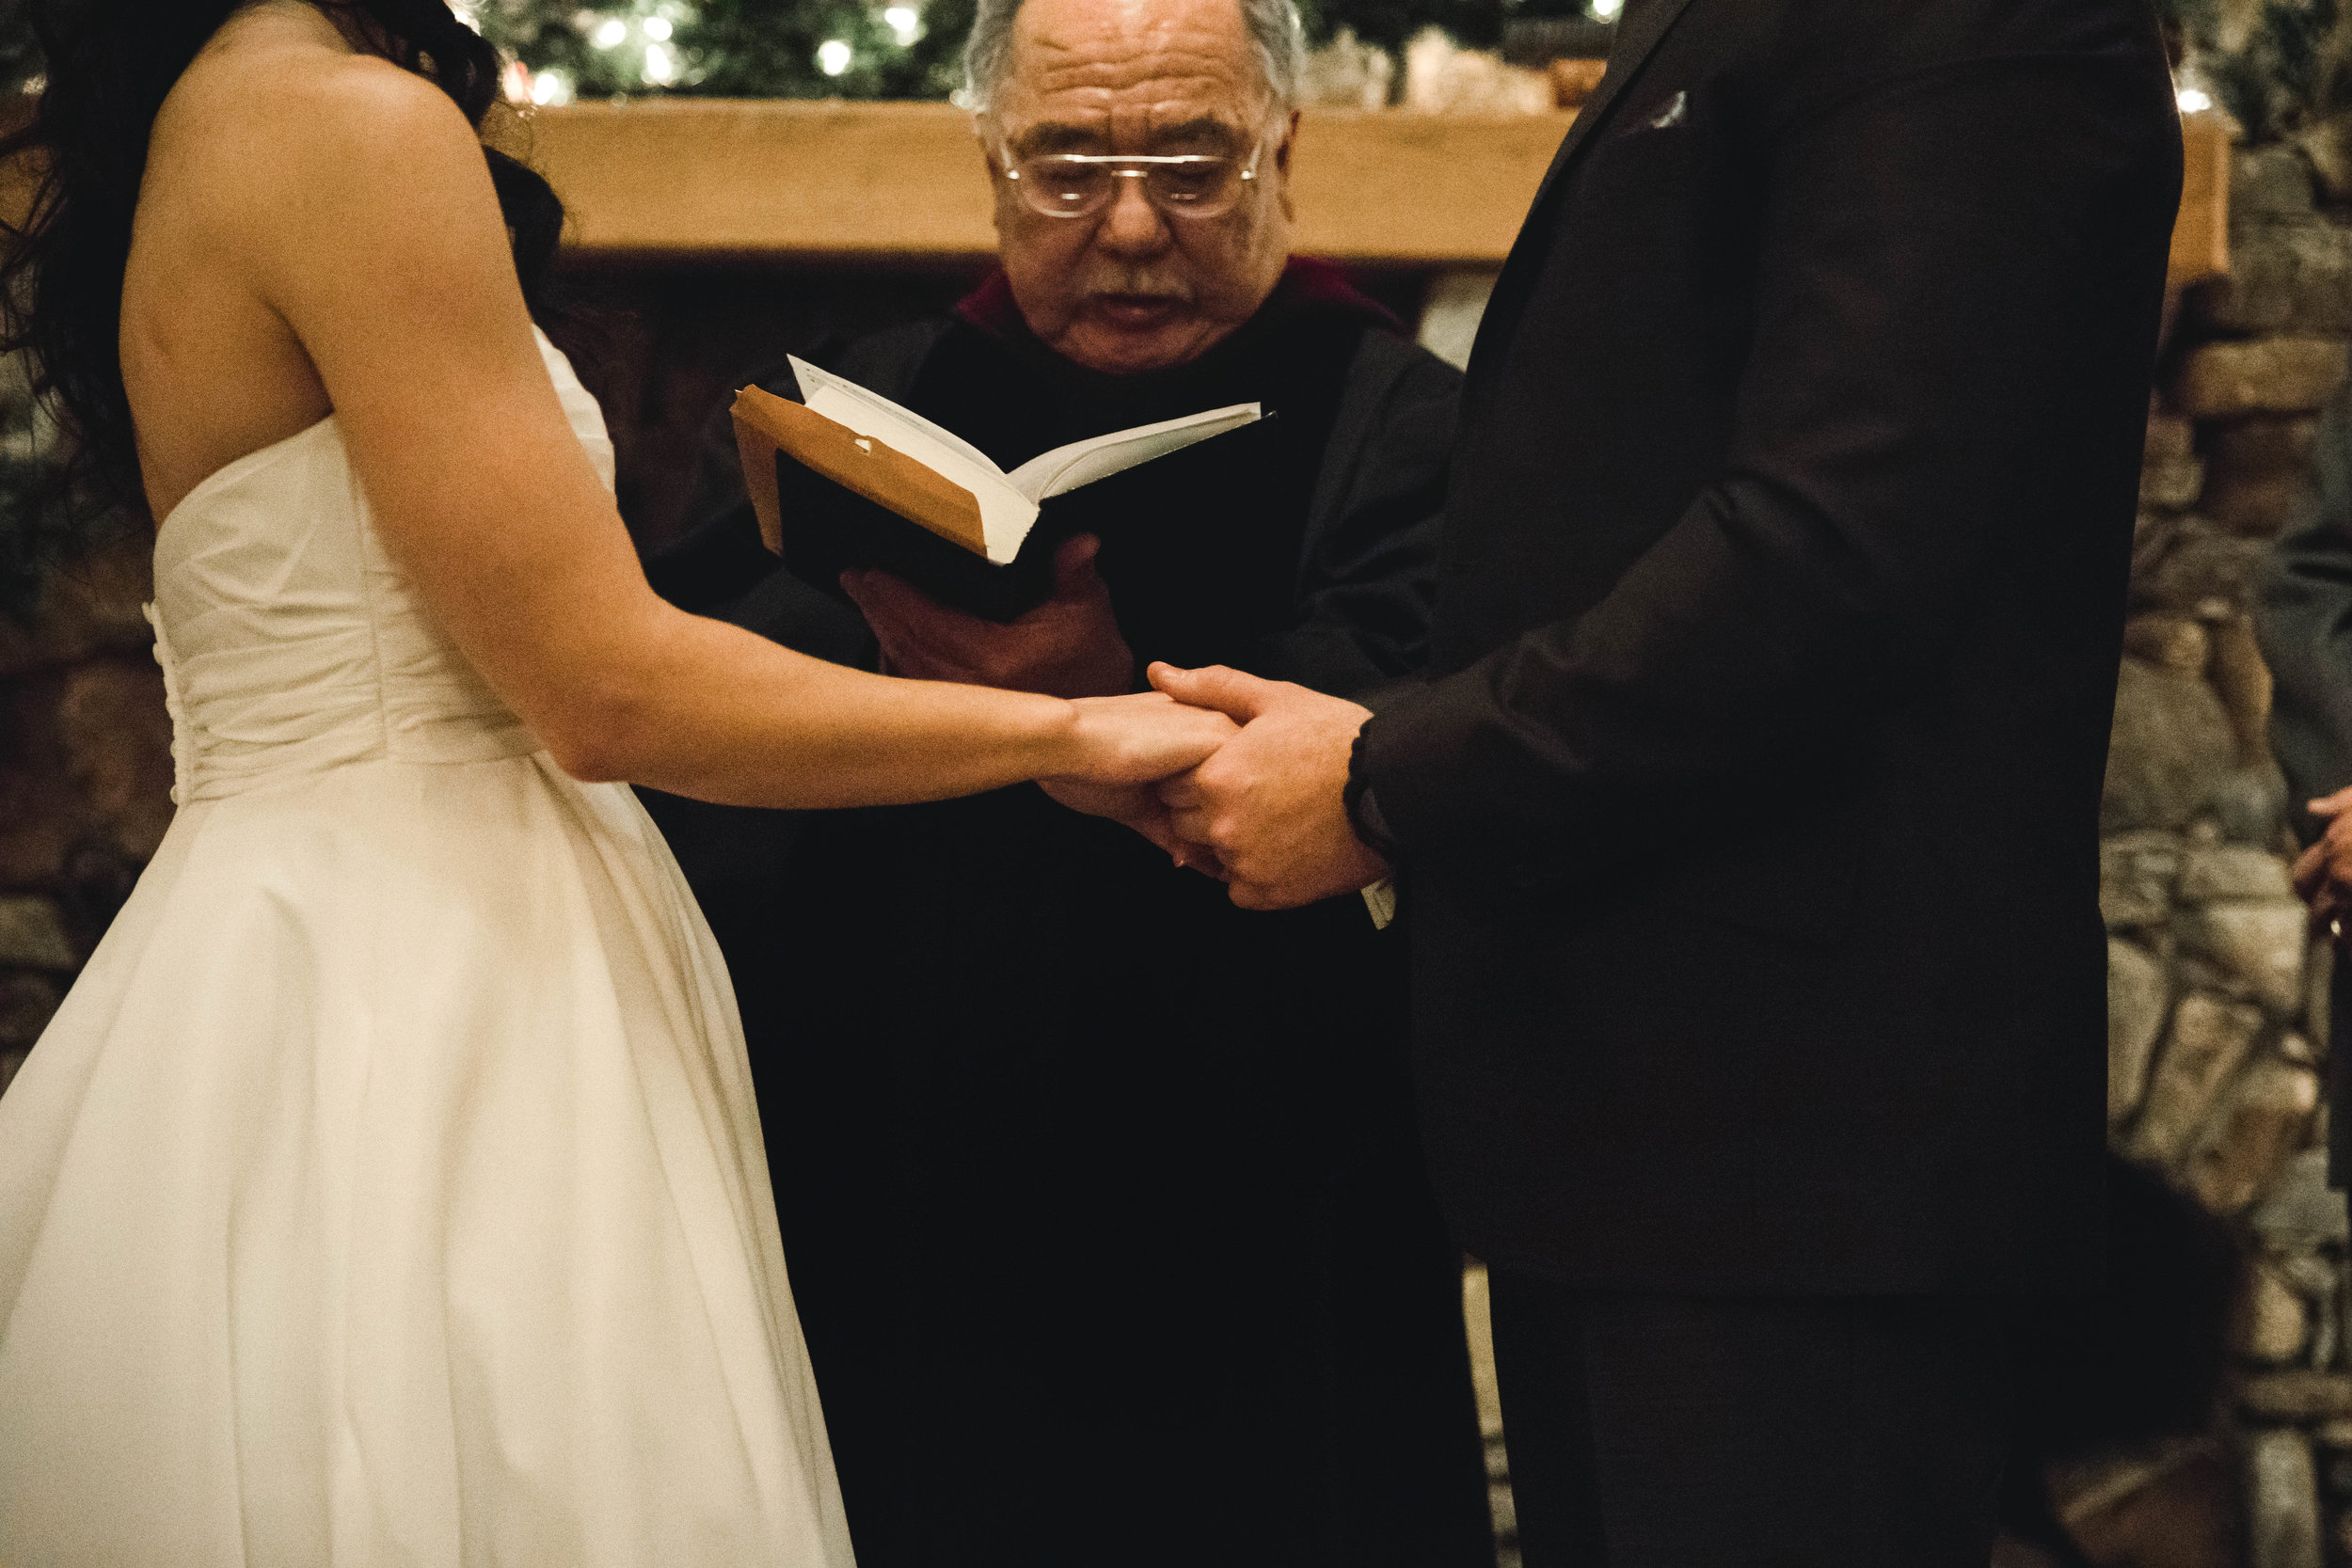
294 649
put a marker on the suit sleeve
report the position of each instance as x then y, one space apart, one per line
1938 257
1368 571
2305 622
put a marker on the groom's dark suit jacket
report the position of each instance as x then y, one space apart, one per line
1748 819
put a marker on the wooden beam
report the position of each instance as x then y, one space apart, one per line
2200 235
718 180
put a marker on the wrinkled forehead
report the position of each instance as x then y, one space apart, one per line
1132 76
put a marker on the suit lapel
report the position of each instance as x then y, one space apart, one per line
1639 35
1645 26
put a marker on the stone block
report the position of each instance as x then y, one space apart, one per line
90 608
2264 1119
2270 183
2269 1323
2138 872
2284 276
116 740
2242 678
2248 802
2170 437
2260 506
2231 871
2260 376
2137 991
2211 1038
2171 483
2178 643
2201 572
2301 1212
27 1002
32 935
2260 943
2172 741
2298 1398
2262 446
2282 1501
2325 143
37 809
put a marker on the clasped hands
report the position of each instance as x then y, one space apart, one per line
1263 813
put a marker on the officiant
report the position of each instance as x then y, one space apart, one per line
1103 1201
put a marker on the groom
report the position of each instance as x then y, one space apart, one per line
1746 822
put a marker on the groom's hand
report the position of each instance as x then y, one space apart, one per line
1271 802
1069 646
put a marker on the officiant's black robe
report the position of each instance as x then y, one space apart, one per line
1103 1204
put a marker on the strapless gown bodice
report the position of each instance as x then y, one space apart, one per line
389 1188
291 642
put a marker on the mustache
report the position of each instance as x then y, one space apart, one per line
1135 281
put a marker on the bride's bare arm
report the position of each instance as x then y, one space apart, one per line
382 247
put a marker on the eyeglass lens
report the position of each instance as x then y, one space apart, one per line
1065 187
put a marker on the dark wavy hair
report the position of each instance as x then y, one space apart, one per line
109 64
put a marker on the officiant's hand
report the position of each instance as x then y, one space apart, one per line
2323 874
1069 646
1270 803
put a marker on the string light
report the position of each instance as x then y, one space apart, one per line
833 57
2194 100
551 87
1607 10
610 33
656 28
660 65
905 24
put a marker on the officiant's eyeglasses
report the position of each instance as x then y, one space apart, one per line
1180 184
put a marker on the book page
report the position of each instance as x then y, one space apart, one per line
1065 469
1006 514
869 413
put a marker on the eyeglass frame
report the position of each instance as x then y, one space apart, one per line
1150 161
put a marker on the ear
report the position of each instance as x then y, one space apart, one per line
1282 166
999 188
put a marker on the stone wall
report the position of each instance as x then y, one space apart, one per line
2218 994
84 781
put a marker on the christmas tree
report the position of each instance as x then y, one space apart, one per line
833 49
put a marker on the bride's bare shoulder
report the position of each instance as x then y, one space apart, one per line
272 104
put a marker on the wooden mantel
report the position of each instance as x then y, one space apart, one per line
712 180
719 180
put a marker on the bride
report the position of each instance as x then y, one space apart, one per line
388 1190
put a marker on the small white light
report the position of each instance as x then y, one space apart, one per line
656 28
905 24
1607 10
608 33
550 88
660 65
2193 102
466 14
833 57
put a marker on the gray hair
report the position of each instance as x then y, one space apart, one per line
1275 37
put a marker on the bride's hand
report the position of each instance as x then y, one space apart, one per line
1142 738
1135 743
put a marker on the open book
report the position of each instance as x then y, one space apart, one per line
838 479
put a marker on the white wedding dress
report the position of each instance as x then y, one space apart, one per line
388 1190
